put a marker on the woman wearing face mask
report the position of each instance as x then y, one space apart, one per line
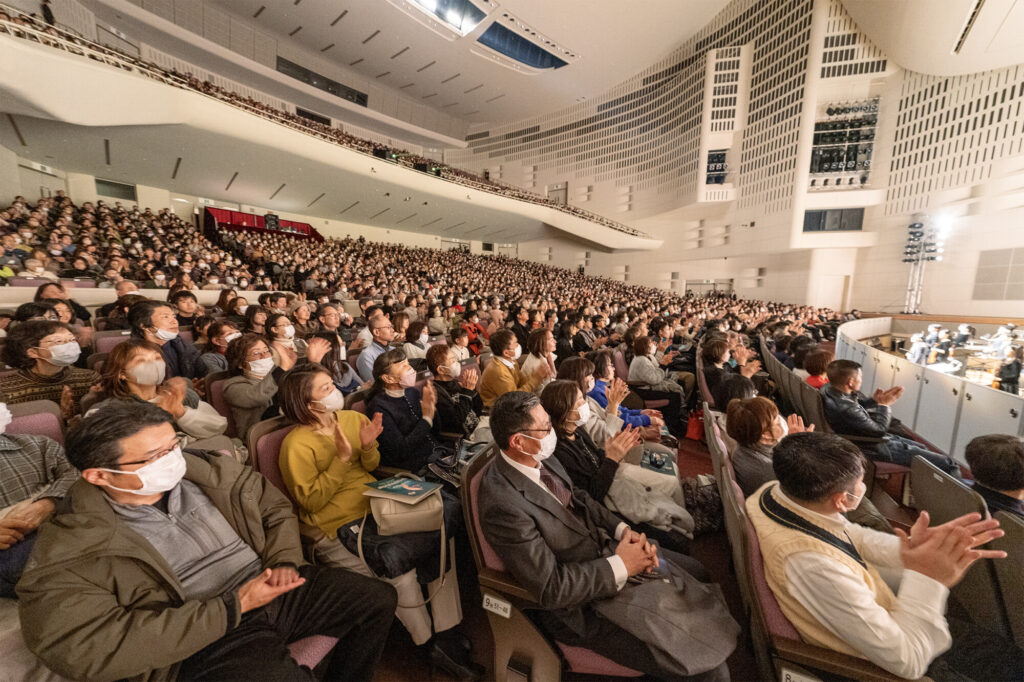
236 311
43 351
220 333
458 404
502 373
135 371
417 338
408 416
280 336
594 468
436 324
756 426
251 391
325 463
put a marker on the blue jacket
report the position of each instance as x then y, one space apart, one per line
630 417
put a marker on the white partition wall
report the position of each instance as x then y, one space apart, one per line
985 411
947 411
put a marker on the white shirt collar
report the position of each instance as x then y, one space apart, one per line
508 363
532 473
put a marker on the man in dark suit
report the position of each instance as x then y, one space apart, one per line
564 547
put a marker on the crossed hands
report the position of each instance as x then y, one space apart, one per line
639 555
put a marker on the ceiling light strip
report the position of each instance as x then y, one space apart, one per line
177 165
17 130
350 206
426 66
972 17
400 52
322 194
371 36
276 191
379 213
340 17
231 181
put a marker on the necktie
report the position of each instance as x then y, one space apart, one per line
557 488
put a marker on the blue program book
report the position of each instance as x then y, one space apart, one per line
408 490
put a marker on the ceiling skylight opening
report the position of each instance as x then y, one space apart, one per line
461 15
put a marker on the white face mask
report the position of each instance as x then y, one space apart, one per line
150 373
333 401
158 476
584 414
289 332
261 367
242 309
65 354
166 334
455 369
5 417
547 445
518 353
424 338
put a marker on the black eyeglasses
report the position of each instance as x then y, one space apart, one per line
158 455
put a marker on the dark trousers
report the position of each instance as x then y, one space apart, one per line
899 450
333 602
12 563
621 646
673 412
977 654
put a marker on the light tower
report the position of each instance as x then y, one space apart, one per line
926 237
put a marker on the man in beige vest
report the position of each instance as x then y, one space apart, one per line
824 570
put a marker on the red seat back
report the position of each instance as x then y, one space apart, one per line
267 455
775 620
215 389
621 369
37 418
490 557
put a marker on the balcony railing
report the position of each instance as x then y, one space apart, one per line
27 27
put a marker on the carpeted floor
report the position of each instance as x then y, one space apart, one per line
404 662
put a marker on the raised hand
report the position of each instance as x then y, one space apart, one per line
369 431
618 444
796 424
751 368
469 378
616 392
317 348
342 447
428 404
946 552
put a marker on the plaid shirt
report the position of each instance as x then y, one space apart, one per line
32 467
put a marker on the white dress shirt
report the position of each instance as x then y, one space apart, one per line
616 562
903 641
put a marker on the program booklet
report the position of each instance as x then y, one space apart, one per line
407 490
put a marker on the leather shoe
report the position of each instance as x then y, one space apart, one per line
456 664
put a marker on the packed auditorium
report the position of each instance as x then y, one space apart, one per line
401 340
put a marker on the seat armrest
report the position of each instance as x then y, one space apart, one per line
503 582
861 439
833 662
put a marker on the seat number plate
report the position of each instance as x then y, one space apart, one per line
498 606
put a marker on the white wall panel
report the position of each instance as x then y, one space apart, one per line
986 410
939 409
911 378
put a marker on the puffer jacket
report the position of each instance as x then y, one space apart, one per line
854 414
97 602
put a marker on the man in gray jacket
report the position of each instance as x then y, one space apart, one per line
564 547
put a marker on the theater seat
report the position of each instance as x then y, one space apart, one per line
945 498
265 440
37 418
104 342
1010 571
215 390
520 650
622 372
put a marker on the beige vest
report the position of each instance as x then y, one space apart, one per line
779 541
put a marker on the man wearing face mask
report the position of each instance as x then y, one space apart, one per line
162 562
824 569
155 321
44 351
35 476
565 548
502 373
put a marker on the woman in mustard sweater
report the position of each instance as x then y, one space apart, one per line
325 463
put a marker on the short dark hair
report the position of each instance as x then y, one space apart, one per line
730 387
275 295
28 335
510 414
813 466
997 461
712 351
296 391
42 287
27 311
95 441
501 340
841 371
140 315
183 293
603 361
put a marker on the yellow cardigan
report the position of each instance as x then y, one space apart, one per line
498 379
329 492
